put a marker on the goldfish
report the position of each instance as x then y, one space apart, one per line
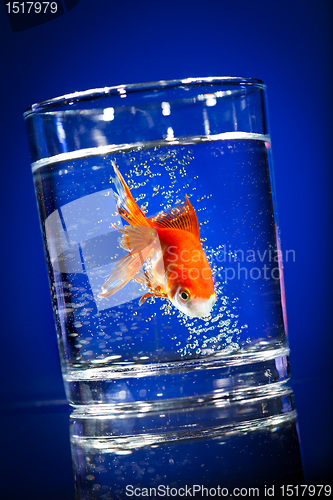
169 243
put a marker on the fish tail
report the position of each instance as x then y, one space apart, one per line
127 207
140 238
140 242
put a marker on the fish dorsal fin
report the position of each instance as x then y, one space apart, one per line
182 216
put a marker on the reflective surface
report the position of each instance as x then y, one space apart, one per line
246 444
35 451
268 455
114 456
37 464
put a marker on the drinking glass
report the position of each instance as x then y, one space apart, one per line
157 210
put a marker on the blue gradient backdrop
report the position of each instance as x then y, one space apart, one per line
101 43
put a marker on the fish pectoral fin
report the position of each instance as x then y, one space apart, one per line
146 278
152 293
125 269
144 298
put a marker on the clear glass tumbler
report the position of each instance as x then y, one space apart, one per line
157 210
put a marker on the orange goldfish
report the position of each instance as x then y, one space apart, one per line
170 243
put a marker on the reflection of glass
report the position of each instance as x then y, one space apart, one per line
204 139
154 453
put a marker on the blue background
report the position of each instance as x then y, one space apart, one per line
102 43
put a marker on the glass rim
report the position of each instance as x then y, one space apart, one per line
115 90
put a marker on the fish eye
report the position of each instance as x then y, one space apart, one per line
184 294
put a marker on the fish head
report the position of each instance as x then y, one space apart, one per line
192 305
190 284
193 297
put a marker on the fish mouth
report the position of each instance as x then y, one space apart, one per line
203 307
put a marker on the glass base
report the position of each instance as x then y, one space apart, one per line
110 390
